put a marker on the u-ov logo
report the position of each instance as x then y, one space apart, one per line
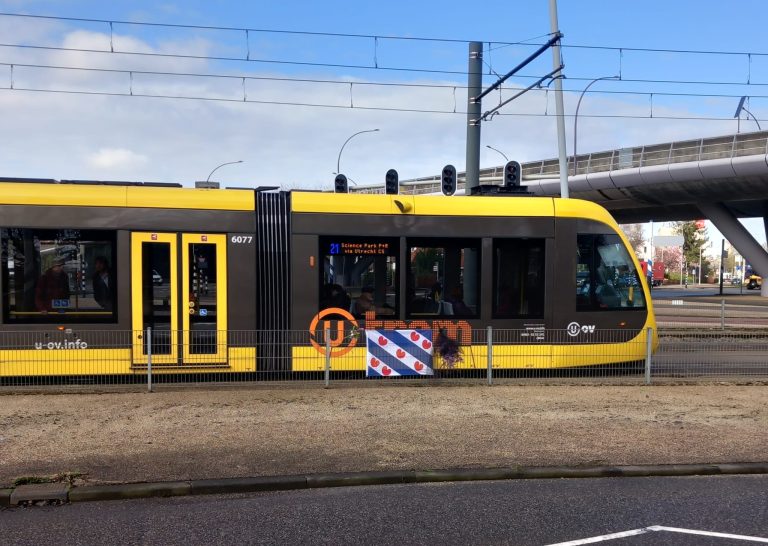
335 331
574 329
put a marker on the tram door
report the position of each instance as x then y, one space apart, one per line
179 290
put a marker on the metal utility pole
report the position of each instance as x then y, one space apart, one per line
474 107
554 28
722 269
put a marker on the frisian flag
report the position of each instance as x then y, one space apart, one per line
393 353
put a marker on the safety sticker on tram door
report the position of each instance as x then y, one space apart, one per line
394 353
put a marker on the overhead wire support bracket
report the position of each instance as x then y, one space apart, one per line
552 41
537 83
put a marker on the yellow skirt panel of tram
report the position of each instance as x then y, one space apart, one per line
53 361
474 357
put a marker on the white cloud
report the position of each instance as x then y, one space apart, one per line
116 159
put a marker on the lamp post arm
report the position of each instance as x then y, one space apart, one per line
338 160
576 116
220 166
753 117
499 151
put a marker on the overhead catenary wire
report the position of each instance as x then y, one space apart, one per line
241 100
346 82
244 78
747 83
499 43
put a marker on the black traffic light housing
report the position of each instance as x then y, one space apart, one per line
449 180
340 184
512 173
392 182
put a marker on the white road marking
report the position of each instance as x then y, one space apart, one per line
708 534
602 538
657 528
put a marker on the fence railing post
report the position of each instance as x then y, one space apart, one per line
648 350
489 337
327 334
149 359
722 314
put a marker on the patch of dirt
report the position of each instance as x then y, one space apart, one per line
190 434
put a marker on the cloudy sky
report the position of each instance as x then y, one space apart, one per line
285 95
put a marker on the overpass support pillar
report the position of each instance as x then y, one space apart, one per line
739 237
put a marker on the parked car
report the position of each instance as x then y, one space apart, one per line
753 282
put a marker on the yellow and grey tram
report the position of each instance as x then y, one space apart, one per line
226 278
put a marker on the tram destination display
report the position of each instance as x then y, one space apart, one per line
358 248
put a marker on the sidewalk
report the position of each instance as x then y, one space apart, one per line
267 431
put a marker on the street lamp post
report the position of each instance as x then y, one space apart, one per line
338 161
737 115
700 249
576 116
217 168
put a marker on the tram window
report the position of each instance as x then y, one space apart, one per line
58 276
443 277
518 278
360 275
606 277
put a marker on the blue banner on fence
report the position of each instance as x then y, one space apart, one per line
393 353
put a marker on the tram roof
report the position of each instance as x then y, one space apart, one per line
44 192
440 205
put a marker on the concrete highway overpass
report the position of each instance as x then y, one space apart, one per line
719 178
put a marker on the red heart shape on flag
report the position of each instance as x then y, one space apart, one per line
382 341
386 371
426 344
415 336
375 362
418 366
400 353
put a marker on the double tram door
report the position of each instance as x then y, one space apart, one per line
179 289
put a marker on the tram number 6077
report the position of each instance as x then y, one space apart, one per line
242 239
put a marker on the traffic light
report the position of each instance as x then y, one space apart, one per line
391 182
340 184
512 173
449 180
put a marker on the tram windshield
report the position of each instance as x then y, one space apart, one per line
606 277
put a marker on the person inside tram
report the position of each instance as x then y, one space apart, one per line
456 299
52 285
334 295
103 283
365 302
607 296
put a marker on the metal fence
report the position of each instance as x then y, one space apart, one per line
679 313
151 360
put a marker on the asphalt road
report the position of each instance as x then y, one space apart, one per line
522 512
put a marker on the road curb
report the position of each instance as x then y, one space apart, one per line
129 491
5 497
312 481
